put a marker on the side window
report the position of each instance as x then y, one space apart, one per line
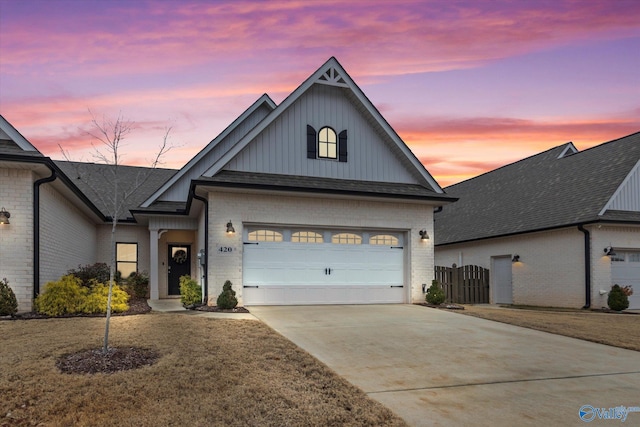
264 235
346 239
327 143
307 237
126 258
384 239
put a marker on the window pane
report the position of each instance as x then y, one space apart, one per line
617 257
383 239
265 236
126 268
332 151
306 237
634 257
346 239
327 143
127 252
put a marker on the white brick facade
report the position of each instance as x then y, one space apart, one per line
317 211
16 238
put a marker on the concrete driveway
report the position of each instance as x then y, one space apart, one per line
436 368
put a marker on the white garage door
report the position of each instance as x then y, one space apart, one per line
296 267
625 270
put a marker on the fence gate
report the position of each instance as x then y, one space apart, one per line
468 284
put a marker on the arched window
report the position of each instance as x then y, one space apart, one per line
383 239
265 235
346 239
306 237
327 143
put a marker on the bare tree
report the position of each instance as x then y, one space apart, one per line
110 135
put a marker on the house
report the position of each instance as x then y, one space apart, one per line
555 229
316 200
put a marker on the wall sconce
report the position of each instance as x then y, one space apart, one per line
4 216
608 251
230 229
516 258
424 235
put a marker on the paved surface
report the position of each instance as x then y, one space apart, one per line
437 368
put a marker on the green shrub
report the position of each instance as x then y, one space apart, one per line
227 298
138 285
617 300
99 272
65 296
190 291
435 294
96 300
8 301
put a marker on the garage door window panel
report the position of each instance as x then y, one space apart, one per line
265 235
346 239
384 239
306 237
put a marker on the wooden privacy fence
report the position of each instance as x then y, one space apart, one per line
468 284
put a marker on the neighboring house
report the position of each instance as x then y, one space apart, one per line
546 225
313 201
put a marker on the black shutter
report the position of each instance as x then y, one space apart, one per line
342 146
311 143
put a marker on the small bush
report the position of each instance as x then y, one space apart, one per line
65 296
227 298
617 300
435 294
8 301
98 272
96 300
190 291
138 285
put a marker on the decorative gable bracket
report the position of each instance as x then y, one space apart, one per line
332 77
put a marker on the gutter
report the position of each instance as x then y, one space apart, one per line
36 230
587 266
206 241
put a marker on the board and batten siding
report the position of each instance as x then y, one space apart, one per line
627 196
179 191
282 147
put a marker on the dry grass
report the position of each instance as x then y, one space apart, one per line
618 330
211 372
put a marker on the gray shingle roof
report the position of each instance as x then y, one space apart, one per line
97 182
539 192
323 185
9 147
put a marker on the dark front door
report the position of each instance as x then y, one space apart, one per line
179 265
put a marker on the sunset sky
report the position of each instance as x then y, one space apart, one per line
468 85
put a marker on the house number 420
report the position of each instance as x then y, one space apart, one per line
225 249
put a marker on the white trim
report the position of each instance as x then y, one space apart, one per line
16 136
620 187
264 99
330 66
569 147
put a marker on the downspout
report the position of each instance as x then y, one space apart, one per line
587 266
36 230
206 243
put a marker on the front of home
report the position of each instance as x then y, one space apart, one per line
555 229
312 201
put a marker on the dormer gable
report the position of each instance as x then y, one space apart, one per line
12 141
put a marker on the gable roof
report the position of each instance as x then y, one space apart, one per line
556 188
194 167
16 143
333 74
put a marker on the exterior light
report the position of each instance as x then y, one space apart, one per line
516 258
608 251
4 216
230 229
424 235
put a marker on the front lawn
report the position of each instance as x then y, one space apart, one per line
210 372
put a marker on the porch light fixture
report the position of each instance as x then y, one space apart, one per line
424 235
4 216
230 229
516 258
608 251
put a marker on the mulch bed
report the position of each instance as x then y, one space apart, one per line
94 361
216 309
442 306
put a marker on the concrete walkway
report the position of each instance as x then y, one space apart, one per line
173 305
437 368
